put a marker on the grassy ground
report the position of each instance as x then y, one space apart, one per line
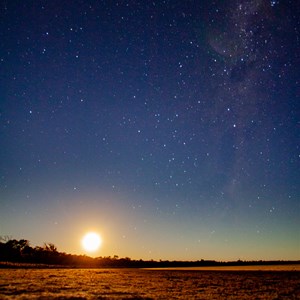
147 284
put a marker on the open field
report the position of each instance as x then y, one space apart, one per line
147 284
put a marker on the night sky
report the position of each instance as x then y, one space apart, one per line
169 127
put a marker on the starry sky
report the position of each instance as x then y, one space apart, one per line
170 127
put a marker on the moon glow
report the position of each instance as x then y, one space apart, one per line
91 242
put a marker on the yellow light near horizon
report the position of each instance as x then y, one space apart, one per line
91 242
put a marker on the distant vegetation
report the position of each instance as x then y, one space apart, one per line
20 252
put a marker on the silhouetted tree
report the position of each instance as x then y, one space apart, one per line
50 247
20 251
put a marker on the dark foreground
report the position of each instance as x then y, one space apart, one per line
147 284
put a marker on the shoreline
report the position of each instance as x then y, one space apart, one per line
259 267
270 268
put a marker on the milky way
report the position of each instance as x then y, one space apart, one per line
170 127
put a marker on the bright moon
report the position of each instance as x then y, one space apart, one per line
91 241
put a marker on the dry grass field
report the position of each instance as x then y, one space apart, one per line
148 284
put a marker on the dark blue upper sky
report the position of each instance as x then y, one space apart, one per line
171 127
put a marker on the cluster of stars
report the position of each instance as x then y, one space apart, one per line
189 110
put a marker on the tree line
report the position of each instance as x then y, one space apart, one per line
20 252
